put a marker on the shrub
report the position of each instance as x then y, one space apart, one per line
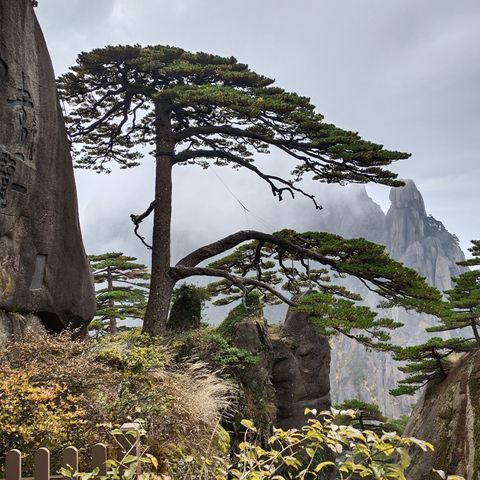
210 347
342 452
107 382
32 414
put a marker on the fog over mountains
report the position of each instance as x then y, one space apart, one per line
419 241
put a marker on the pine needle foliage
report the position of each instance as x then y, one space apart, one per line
309 268
196 108
123 289
463 301
218 109
427 362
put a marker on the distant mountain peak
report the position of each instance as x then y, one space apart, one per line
408 196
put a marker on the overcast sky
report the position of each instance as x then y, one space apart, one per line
404 73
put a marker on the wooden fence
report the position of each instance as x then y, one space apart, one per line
128 441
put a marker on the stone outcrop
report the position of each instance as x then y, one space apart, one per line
412 237
420 241
291 372
43 266
251 334
14 326
301 370
448 415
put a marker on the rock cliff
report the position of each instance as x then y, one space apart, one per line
301 369
291 372
413 238
43 266
448 415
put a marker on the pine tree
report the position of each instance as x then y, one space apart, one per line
203 109
286 265
463 301
427 362
368 416
123 288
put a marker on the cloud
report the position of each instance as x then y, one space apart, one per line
404 74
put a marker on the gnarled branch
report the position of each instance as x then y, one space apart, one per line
181 272
138 219
277 184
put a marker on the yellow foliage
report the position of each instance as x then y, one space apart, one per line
32 415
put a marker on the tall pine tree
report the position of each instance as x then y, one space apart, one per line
203 109
123 288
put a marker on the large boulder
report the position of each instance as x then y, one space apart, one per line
291 372
43 266
448 416
259 400
14 326
301 370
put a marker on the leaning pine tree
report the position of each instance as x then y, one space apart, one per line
197 108
123 288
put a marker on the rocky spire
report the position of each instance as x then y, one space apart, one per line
43 266
420 241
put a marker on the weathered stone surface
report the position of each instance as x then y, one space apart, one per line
420 242
43 266
448 415
301 370
291 372
14 326
260 402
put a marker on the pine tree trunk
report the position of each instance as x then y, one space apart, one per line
112 321
475 332
161 285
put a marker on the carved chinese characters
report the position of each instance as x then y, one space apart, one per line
13 163
39 227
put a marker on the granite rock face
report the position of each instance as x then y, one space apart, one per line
422 243
301 370
251 334
43 266
412 237
448 415
291 371
14 326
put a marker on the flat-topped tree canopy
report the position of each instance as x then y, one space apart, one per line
218 109
203 109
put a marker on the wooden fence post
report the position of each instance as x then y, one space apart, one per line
41 468
70 461
129 441
99 457
13 465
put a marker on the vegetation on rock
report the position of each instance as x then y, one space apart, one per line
55 391
430 360
427 362
186 311
463 301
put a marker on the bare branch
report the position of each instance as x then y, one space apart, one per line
138 219
272 180
180 272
